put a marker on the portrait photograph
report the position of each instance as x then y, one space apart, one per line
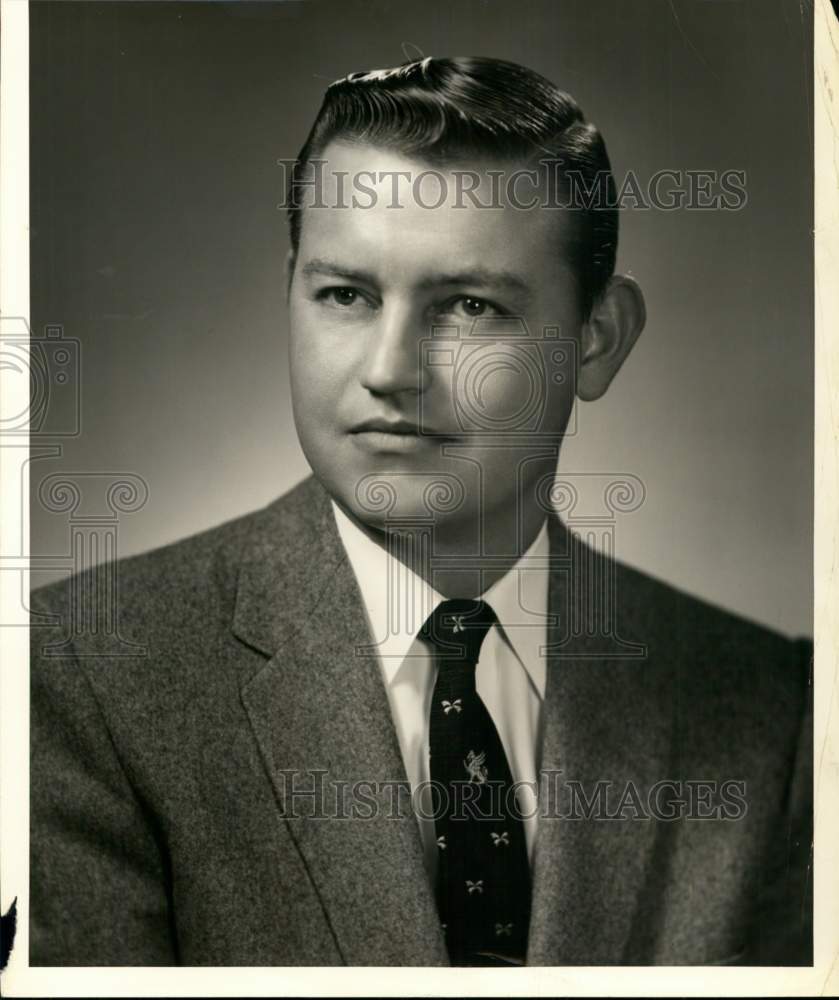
419 497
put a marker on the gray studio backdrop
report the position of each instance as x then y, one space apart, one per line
157 244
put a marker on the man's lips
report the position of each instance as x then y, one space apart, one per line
379 425
379 434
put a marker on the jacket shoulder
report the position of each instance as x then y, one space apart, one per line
725 665
186 570
176 594
657 603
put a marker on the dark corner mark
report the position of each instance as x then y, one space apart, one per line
8 926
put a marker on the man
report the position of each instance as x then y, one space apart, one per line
599 769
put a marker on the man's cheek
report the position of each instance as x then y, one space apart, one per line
499 395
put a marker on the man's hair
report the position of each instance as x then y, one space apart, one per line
444 111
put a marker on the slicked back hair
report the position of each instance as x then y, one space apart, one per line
447 111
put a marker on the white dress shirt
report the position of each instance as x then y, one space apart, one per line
510 675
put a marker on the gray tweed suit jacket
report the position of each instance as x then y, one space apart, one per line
162 830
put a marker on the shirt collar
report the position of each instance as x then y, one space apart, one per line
519 599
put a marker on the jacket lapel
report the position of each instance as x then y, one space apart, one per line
319 708
590 875
318 705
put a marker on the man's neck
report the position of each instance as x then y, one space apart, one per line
463 560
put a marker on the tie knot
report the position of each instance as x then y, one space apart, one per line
456 629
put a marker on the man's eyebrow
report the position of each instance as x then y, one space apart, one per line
475 276
334 269
479 276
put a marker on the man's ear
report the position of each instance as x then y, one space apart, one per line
290 259
609 335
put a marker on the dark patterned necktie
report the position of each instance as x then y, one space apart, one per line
483 874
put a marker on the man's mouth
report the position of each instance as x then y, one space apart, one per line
381 435
379 425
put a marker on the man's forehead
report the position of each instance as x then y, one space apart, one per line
355 174
346 158
387 204
423 258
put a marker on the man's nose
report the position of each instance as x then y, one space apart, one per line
393 362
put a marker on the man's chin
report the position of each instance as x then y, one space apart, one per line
397 497
385 502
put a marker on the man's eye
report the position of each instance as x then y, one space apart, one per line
471 307
340 296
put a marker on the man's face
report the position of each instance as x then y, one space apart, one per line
429 345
